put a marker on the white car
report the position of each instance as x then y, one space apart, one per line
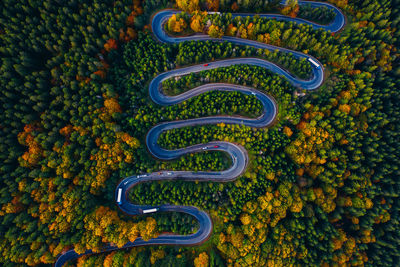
204 148
169 173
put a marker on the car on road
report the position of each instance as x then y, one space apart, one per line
150 210
169 173
205 65
253 93
216 146
314 63
119 196
204 148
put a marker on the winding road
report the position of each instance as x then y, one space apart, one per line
237 153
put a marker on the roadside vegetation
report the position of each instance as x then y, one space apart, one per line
322 186
322 15
197 52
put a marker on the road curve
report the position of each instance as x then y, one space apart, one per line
334 26
237 153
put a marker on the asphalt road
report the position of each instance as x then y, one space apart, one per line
237 153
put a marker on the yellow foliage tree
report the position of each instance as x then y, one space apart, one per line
112 106
176 25
99 222
196 21
245 219
148 228
340 3
215 32
188 5
156 255
196 26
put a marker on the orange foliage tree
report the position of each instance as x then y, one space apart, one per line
212 5
111 44
35 151
201 260
234 6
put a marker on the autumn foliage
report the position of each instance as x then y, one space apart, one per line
112 106
103 219
196 21
242 245
215 32
291 8
35 152
188 5
321 184
201 260
212 5
110 45
176 24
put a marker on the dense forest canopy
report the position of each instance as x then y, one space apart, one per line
322 187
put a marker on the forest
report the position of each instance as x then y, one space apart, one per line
321 188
